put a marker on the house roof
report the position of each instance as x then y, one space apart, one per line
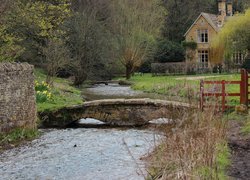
211 19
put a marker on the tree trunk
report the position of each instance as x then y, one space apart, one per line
79 79
128 71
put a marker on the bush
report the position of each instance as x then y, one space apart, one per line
168 51
246 64
168 68
191 44
145 67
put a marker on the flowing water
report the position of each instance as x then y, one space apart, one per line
83 153
112 91
80 154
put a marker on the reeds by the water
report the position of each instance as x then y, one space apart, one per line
195 149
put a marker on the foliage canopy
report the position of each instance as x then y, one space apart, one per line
235 35
28 25
169 51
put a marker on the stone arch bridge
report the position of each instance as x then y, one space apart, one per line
121 112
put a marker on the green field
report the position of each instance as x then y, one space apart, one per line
183 87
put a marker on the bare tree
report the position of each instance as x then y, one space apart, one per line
56 58
4 5
88 43
136 25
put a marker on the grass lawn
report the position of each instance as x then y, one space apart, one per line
182 87
63 94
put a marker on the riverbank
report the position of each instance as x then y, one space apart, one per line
196 148
204 146
63 94
17 137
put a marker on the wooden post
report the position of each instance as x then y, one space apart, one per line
202 95
223 94
244 87
247 86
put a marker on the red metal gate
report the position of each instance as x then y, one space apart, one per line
222 93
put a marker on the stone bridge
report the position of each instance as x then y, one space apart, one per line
121 112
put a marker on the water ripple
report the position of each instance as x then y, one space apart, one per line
99 154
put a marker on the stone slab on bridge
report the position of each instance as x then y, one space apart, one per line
121 112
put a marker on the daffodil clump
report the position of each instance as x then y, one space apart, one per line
43 92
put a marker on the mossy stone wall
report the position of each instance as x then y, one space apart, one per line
17 96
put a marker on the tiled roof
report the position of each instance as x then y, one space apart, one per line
212 20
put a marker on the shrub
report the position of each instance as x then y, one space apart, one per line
189 44
168 51
246 64
146 67
168 68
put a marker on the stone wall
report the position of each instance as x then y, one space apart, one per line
17 96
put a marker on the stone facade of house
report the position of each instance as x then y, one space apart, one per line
17 96
202 31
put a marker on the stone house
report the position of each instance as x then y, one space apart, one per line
202 31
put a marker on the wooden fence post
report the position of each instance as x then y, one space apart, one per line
202 95
247 87
244 87
223 95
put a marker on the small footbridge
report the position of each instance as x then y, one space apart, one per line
121 112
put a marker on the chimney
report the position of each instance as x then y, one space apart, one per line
230 9
222 7
225 8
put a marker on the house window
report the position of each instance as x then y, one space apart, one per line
202 35
238 58
203 59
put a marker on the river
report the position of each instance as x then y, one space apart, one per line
83 153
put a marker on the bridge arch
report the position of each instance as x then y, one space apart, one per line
121 112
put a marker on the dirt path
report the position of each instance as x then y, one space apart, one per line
240 146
